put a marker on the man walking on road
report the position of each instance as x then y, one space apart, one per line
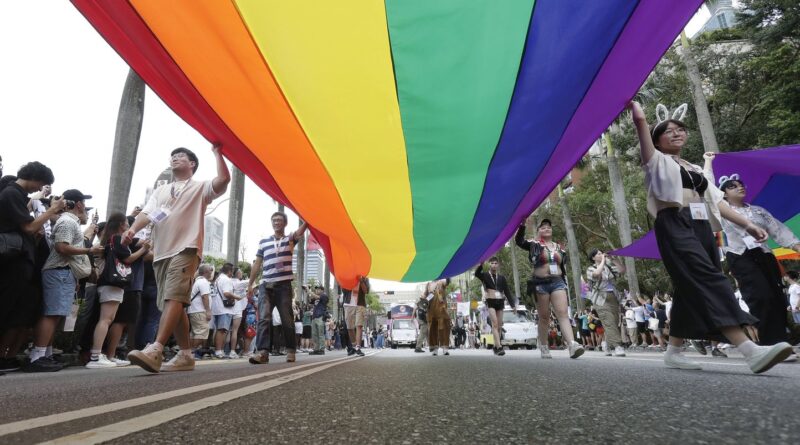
421 314
320 301
177 211
200 309
355 312
274 260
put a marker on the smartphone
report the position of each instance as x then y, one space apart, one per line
95 218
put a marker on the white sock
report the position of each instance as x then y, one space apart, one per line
49 351
37 353
748 348
673 349
95 354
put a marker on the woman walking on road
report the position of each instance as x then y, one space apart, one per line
439 324
683 201
548 259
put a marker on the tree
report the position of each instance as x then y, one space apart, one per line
126 143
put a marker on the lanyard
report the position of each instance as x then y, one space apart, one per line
494 279
176 192
551 257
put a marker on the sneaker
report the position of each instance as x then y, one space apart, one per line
360 353
233 355
604 347
575 350
446 352
545 351
679 361
101 362
716 352
290 357
418 350
765 357
219 356
259 358
148 359
619 351
435 352
698 346
606 351
120 362
320 352
198 355
44 364
501 352
181 362
9 364
350 352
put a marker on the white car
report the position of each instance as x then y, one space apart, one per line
520 330
403 332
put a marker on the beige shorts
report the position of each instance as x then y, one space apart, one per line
199 325
175 276
354 316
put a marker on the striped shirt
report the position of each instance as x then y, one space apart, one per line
277 259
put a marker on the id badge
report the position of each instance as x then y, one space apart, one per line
553 269
698 210
160 215
429 297
751 242
69 321
498 294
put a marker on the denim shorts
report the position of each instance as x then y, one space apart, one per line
223 322
555 284
58 291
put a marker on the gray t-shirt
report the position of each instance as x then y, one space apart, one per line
67 230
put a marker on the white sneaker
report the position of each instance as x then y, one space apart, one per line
619 351
233 355
545 351
575 350
765 357
179 362
604 347
120 362
101 362
679 361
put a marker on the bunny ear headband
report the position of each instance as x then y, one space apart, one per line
724 179
662 114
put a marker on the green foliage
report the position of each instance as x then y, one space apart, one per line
374 303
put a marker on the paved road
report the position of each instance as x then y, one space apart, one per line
396 396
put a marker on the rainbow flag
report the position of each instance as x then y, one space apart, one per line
412 135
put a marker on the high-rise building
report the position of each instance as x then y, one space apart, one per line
212 240
723 16
314 267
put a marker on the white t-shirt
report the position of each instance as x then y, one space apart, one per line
201 287
223 284
794 296
630 321
240 289
638 314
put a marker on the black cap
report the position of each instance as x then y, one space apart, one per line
545 221
319 287
76 195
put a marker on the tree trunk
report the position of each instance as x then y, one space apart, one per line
327 279
301 264
572 247
235 209
126 143
512 247
621 213
700 104
281 208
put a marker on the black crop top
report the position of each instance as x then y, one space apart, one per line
693 181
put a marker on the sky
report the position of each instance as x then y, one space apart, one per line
62 85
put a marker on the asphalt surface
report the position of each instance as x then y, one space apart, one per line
397 396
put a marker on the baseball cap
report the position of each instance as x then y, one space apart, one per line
76 195
545 221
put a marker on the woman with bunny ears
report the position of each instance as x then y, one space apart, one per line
685 205
752 263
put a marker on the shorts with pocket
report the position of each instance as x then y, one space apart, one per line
58 292
553 285
354 316
222 322
199 326
175 277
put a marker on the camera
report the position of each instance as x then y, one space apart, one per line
69 204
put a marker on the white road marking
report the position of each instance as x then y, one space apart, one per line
38 422
136 424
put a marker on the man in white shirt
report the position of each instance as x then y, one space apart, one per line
222 308
199 310
177 212
793 277
630 324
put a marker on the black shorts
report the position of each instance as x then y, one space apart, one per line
306 332
128 310
495 303
641 326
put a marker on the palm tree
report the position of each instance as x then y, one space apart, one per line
235 209
126 143
572 247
